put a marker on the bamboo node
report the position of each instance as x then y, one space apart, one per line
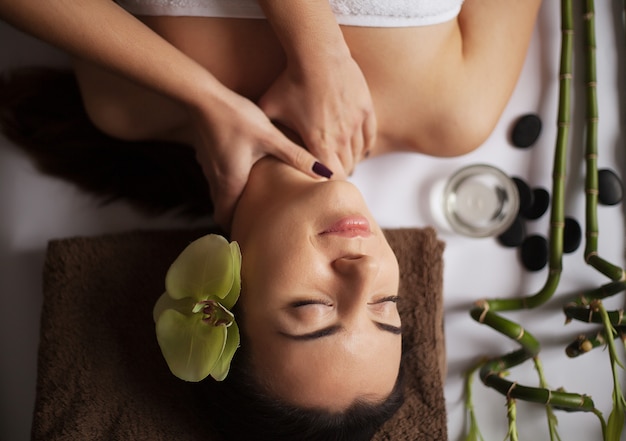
520 335
484 312
592 191
595 305
566 76
508 392
549 397
585 345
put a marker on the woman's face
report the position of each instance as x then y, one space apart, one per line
319 288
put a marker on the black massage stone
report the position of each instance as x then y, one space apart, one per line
572 235
541 202
526 131
610 190
514 235
534 252
525 194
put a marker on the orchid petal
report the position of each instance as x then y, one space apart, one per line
220 371
191 347
184 306
203 268
233 295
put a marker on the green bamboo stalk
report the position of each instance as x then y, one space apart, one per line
604 291
557 218
591 314
587 342
592 257
485 311
584 344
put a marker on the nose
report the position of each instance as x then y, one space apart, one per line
357 274
357 267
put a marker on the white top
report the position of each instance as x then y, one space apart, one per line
375 13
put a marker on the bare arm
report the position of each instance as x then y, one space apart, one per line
102 32
322 94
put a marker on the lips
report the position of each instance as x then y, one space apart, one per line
351 226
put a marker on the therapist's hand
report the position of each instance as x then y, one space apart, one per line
328 104
232 136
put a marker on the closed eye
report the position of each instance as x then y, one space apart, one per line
393 299
307 302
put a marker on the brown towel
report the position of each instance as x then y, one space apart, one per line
101 375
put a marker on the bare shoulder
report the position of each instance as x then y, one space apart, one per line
440 90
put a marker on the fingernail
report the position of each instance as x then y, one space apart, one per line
322 170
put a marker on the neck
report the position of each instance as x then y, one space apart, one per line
269 184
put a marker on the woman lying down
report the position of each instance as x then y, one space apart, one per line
307 312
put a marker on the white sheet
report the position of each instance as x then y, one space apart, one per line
34 209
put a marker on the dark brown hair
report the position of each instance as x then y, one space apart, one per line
42 113
242 410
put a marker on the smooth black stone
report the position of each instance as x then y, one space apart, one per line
541 202
610 190
572 235
525 194
526 130
514 235
534 252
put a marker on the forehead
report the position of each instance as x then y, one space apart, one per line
329 373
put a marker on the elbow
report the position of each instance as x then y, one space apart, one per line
457 132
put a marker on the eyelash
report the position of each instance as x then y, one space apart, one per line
299 303
393 299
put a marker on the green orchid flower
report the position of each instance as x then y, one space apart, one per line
195 328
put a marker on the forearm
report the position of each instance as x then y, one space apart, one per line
307 30
102 32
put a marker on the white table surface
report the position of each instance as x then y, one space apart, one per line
398 188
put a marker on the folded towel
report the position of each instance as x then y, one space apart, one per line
101 375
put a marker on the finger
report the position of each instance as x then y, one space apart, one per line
225 195
358 148
319 148
344 151
370 131
301 159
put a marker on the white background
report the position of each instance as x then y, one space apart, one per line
399 189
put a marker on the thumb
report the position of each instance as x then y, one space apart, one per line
301 159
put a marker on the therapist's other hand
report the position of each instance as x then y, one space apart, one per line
328 104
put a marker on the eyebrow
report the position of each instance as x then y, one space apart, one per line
334 329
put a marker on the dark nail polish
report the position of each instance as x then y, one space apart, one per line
322 170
